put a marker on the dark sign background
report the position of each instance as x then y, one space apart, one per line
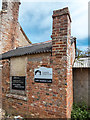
18 82
39 80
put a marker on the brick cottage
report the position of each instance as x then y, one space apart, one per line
50 95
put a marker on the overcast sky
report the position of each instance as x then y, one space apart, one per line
36 19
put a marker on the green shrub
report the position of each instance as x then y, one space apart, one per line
80 112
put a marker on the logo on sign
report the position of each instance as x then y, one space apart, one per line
37 72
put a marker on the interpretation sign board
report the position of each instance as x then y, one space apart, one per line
18 82
43 75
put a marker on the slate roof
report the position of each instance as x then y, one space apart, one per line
32 49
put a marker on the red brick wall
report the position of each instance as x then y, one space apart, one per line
10 28
43 98
46 100
71 59
58 102
61 51
11 102
9 21
0 87
5 81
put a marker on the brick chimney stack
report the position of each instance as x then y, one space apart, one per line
61 31
61 55
9 21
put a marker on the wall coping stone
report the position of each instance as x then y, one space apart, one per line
60 12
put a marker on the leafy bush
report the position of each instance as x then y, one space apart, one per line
80 112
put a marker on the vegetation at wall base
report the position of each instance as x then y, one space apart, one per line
80 112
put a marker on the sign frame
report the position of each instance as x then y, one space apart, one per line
45 75
19 78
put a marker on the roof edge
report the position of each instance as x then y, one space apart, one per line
25 34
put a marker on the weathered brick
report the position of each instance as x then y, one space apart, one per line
45 100
10 30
